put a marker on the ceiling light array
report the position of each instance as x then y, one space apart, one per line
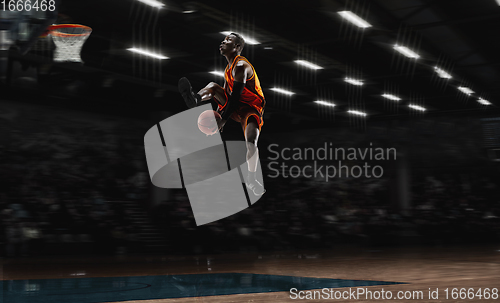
347 15
359 22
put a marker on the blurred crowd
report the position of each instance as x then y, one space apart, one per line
66 176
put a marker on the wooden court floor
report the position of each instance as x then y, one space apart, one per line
420 268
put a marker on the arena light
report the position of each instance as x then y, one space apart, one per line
355 19
282 91
357 113
325 103
391 97
441 73
308 64
498 2
147 53
188 12
353 81
153 3
406 51
465 90
482 101
248 41
417 107
217 73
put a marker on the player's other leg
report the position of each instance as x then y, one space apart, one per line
187 93
251 137
212 90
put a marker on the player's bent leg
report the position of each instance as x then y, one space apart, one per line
213 90
251 136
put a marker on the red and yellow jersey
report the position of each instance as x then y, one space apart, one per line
252 93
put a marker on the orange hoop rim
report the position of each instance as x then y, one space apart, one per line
53 30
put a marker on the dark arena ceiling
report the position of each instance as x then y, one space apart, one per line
460 37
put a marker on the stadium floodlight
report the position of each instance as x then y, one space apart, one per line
417 107
147 53
406 51
217 73
498 2
355 19
465 90
357 113
482 101
325 103
248 41
282 91
353 81
153 3
308 64
441 73
391 97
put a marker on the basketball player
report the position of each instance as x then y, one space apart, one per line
241 99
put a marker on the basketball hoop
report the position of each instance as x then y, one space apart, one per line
69 39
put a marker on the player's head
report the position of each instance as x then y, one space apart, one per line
232 43
240 42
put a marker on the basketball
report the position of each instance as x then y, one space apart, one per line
207 122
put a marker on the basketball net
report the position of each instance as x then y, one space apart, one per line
69 39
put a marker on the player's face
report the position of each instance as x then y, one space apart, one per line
227 45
